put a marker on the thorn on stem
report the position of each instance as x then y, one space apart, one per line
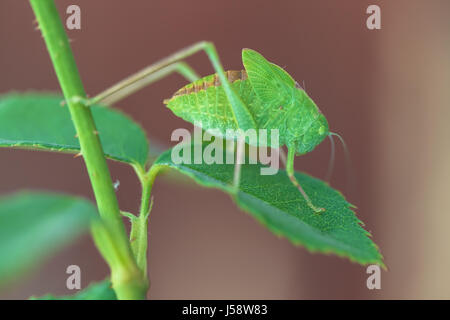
149 209
79 154
151 202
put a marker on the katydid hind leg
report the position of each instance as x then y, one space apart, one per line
142 79
242 114
240 154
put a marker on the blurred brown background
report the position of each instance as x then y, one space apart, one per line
386 91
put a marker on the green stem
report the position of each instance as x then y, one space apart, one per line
139 225
126 277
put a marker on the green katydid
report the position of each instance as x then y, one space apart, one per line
263 96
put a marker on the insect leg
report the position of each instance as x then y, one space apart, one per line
290 172
241 113
134 83
243 116
240 153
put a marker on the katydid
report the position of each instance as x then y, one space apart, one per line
263 96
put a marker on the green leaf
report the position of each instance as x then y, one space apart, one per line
33 225
278 205
96 291
39 121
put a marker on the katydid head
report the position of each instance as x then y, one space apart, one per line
313 135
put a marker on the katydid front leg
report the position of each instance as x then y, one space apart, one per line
291 174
